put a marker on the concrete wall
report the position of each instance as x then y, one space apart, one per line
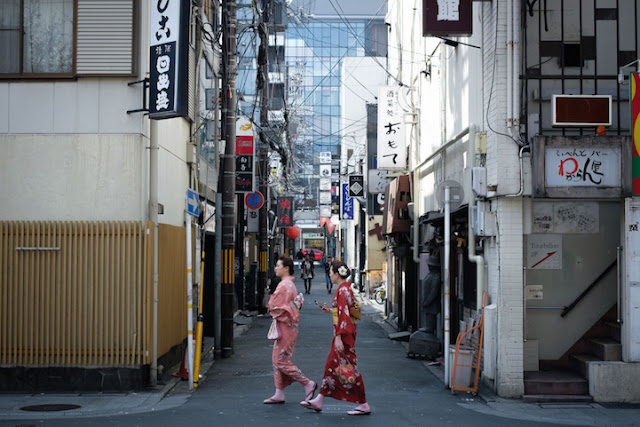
614 382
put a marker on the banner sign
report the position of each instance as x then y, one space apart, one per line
392 149
347 202
168 64
635 131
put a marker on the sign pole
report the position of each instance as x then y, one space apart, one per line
189 304
447 250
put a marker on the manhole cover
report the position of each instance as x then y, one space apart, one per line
51 407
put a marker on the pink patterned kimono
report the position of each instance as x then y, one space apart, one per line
284 371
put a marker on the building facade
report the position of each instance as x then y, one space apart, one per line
503 104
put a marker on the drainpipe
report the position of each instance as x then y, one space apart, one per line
153 217
515 107
478 260
509 46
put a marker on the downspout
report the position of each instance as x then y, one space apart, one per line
509 46
478 260
515 107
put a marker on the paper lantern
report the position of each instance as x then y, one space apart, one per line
292 232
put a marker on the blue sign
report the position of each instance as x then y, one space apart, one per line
192 202
347 202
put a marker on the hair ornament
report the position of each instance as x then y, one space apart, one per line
342 271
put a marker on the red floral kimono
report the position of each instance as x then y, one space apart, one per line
341 381
284 371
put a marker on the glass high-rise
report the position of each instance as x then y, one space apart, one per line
316 43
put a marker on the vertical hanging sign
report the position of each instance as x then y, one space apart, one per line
347 202
244 155
168 64
635 131
392 149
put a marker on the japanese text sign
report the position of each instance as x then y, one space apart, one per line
582 167
392 149
447 17
167 67
347 202
285 211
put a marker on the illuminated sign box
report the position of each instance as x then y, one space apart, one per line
581 110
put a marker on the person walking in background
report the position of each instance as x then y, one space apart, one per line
342 379
327 268
284 307
307 272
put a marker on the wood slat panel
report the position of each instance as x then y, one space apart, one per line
75 293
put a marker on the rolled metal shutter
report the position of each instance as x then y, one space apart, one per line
105 37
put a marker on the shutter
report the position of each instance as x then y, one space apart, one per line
105 39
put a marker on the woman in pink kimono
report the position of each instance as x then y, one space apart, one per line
284 306
342 379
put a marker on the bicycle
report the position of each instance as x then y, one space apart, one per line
380 293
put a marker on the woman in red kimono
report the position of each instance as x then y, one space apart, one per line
341 380
284 306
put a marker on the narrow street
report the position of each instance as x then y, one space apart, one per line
400 390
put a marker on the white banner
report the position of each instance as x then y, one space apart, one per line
392 149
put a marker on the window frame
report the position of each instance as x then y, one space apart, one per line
34 76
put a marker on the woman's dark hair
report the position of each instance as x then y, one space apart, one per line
336 264
286 262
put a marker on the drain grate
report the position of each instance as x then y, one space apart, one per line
50 407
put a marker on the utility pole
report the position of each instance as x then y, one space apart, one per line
262 84
229 27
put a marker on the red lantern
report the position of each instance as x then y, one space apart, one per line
292 232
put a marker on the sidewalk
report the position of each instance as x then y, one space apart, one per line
98 404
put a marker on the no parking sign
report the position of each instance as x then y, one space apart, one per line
254 200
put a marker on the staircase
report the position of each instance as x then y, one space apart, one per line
567 379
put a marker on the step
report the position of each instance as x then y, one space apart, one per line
606 349
613 330
555 382
580 363
542 398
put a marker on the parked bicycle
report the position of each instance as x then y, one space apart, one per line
380 293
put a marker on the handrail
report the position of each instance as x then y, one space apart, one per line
586 291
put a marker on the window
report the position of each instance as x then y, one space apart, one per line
37 38
46 46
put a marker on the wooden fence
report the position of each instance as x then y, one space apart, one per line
75 293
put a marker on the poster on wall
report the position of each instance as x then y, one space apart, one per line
565 218
635 134
544 251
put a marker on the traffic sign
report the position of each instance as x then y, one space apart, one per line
254 200
192 202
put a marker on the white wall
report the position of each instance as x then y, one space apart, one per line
72 177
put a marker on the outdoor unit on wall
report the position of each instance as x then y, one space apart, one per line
479 181
482 220
581 110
